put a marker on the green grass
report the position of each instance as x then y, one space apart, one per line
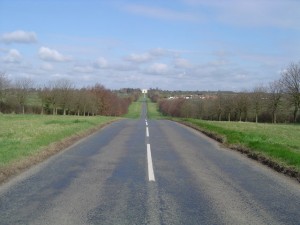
153 112
24 135
134 110
280 142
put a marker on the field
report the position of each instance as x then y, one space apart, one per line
24 135
280 142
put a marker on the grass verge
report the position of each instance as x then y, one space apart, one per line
26 140
134 110
153 112
276 145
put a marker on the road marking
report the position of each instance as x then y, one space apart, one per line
150 165
147 132
146 123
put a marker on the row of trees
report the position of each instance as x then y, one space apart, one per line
61 97
279 101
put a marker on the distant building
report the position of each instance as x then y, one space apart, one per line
144 91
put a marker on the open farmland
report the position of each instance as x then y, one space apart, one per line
25 135
280 142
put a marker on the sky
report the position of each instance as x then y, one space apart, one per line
203 45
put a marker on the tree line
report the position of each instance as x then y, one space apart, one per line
278 101
60 97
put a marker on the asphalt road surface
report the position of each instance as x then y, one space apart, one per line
149 172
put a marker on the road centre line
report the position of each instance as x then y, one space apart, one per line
150 165
149 156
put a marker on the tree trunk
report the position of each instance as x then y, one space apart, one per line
42 110
295 114
246 116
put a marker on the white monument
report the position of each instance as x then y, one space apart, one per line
144 91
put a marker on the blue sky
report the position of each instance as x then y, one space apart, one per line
169 44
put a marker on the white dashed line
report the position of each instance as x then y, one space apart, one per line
149 156
150 165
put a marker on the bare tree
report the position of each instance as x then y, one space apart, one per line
60 95
98 91
228 107
88 102
4 85
45 97
275 95
188 109
81 99
23 86
220 105
291 83
257 98
242 105
65 88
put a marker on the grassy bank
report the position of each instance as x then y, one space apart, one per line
134 110
280 143
153 112
22 136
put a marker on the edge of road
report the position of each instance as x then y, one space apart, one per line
286 170
8 172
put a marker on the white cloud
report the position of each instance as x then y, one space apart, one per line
13 56
48 54
83 69
19 36
124 67
60 76
240 77
101 63
139 58
182 63
158 52
149 55
254 13
158 69
47 66
162 13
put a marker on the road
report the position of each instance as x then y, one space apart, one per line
149 172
